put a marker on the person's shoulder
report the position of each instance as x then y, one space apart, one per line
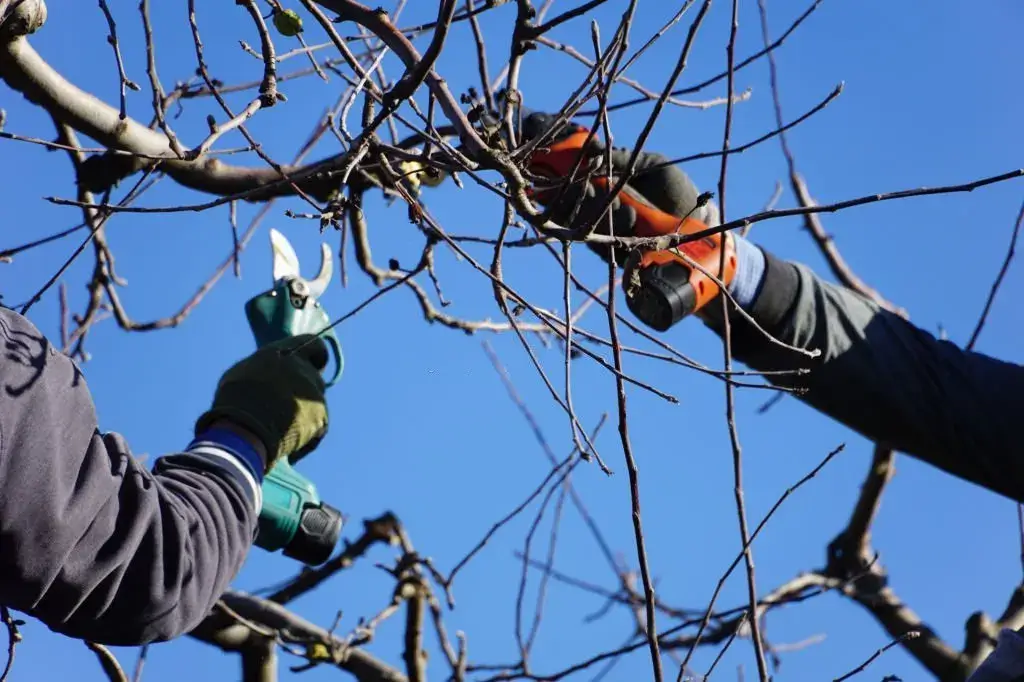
20 337
16 327
32 354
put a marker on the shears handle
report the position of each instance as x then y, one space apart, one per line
279 314
666 288
331 339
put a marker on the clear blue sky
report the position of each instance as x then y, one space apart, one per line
421 423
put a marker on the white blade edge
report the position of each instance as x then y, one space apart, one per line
319 285
286 263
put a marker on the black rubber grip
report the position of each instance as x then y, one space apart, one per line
317 534
664 296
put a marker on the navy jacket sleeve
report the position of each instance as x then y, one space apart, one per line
91 542
886 378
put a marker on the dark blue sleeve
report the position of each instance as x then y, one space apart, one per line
91 542
886 378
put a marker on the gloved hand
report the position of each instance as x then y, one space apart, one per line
277 394
666 187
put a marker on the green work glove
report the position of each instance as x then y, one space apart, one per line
666 187
277 394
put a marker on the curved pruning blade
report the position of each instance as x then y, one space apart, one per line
286 263
318 285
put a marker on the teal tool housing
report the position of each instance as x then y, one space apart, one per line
293 518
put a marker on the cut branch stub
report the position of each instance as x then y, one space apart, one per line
22 19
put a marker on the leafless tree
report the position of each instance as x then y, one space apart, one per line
413 132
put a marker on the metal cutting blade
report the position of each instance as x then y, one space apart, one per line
286 262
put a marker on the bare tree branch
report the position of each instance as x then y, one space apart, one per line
999 279
109 662
737 457
228 634
13 634
383 529
874 656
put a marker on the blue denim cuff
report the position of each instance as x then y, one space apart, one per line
749 272
235 445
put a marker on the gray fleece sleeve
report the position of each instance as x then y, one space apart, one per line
1005 663
885 378
91 543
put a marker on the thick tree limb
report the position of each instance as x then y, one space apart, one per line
229 634
24 70
414 655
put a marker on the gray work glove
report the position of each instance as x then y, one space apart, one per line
666 187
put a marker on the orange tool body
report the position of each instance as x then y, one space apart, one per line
661 286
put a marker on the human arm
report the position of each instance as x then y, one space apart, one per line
92 543
877 373
884 377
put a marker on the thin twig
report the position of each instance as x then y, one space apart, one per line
910 635
552 459
124 82
567 358
651 626
481 57
557 469
780 129
999 279
13 637
108 662
140 663
154 82
549 562
753 536
737 452
630 168
714 79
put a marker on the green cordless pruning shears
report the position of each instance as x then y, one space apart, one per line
293 517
